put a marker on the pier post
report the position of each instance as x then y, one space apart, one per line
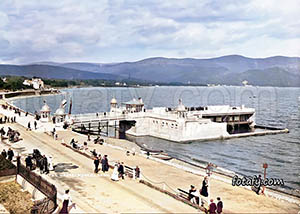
115 129
265 166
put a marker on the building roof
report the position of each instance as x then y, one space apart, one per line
60 111
45 108
134 102
180 106
113 101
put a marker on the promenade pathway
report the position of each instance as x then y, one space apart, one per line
94 193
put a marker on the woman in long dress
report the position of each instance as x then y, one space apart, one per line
67 201
204 190
115 174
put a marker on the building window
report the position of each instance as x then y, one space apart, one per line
219 119
236 118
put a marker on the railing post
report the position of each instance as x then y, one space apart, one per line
55 196
18 164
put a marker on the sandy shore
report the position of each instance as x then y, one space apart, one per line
97 193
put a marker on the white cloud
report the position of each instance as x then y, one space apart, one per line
127 30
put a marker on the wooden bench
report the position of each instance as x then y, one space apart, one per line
183 194
129 171
186 195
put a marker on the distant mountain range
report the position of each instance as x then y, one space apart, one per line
229 70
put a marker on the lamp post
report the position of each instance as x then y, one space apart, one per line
265 166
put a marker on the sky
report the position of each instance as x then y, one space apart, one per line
105 31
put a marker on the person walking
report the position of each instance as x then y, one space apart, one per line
45 162
219 206
104 163
28 127
121 171
115 174
204 190
67 203
3 153
28 162
41 165
212 207
96 163
35 124
10 154
137 172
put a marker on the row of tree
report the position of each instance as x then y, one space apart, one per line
14 83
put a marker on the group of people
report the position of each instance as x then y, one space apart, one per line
195 197
98 159
119 168
76 145
12 119
8 154
29 125
12 135
118 172
98 140
41 161
54 134
7 119
215 208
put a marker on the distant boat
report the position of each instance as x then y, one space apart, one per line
162 156
151 152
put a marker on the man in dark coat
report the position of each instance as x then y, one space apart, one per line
45 163
28 162
96 163
3 153
191 192
2 132
10 154
137 172
121 170
41 165
35 124
219 205
104 163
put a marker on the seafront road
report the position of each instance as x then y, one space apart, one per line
97 193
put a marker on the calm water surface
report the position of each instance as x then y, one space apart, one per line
279 107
